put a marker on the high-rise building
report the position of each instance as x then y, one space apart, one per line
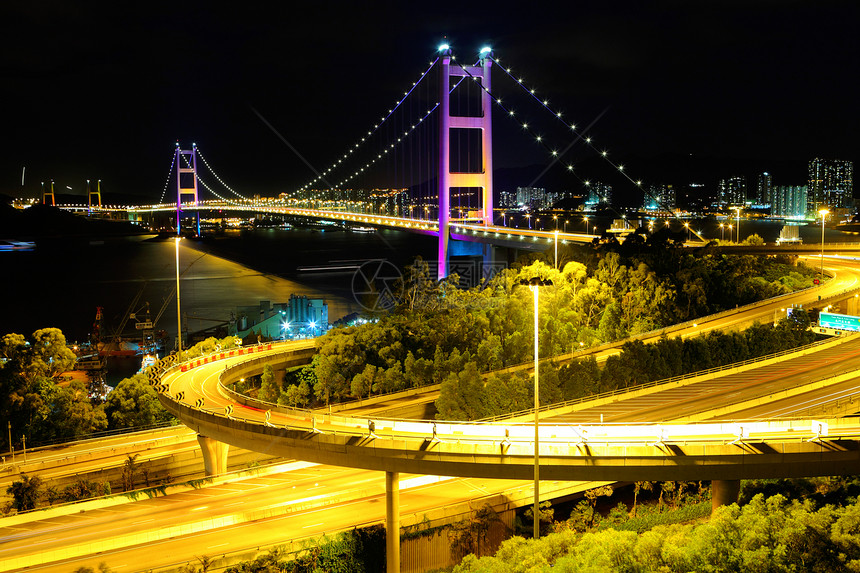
733 191
789 201
763 195
507 200
660 198
598 194
831 184
536 197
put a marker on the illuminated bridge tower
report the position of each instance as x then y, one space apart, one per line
97 194
186 164
482 179
46 194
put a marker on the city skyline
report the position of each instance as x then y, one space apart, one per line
97 94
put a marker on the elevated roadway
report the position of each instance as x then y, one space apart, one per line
685 449
200 395
569 451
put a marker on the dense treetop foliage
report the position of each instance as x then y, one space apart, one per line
42 410
817 531
446 335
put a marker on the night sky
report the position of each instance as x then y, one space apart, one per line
104 91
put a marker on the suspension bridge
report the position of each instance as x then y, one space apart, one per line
426 165
450 184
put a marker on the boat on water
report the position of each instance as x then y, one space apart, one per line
17 245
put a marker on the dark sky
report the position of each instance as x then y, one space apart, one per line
104 90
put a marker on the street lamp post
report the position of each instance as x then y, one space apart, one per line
556 249
739 224
586 224
823 213
178 312
534 285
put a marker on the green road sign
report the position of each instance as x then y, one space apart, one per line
839 321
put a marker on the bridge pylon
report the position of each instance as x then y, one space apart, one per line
46 194
97 194
482 179
186 163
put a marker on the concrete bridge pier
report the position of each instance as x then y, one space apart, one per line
214 455
724 492
392 522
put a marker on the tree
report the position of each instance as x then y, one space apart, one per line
72 413
545 515
753 240
129 472
461 396
269 388
469 535
85 489
25 492
134 403
49 353
365 381
639 486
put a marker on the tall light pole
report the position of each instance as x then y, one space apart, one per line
556 248
534 285
823 213
586 224
178 311
739 224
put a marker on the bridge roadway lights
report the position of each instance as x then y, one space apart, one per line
724 492
214 455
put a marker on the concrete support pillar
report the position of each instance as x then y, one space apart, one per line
724 492
392 522
214 455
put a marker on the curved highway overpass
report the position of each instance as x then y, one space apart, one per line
199 393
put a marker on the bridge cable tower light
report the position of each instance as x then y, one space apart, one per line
447 122
188 158
46 194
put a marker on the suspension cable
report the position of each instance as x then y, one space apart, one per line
370 132
167 181
587 140
212 171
